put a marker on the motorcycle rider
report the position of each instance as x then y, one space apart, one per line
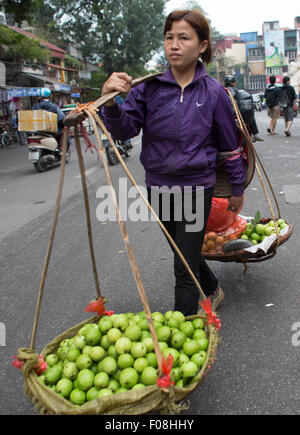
46 104
230 83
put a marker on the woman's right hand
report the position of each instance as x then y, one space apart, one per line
120 82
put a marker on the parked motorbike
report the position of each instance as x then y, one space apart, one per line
124 148
257 103
8 136
45 150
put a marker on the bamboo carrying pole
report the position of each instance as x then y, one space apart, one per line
50 244
87 209
77 115
54 225
178 252
128 246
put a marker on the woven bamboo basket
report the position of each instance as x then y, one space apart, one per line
143 400
243 256
135 402
255 164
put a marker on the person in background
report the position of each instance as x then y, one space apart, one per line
47 105
287 99
272 96
186 118
14 107
230 84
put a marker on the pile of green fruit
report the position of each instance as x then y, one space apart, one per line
257 232
117 354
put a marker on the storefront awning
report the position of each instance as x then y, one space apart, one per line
21 92
53 84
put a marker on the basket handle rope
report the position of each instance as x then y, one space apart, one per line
131 178
50 244
245 130
87 209
52 235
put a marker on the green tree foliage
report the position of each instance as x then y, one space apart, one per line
17 11
15 47
122 34
44 24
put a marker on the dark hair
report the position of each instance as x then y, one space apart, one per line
272 79
286 79
198 22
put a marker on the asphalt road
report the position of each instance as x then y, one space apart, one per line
257 365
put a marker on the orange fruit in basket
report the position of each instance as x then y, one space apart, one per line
220 240
204 247
211 235
210 244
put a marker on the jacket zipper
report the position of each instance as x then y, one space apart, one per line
181 96
177 126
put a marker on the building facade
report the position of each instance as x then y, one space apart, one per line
252 58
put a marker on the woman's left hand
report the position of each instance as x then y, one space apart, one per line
235 203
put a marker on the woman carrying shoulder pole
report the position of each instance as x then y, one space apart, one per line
186 118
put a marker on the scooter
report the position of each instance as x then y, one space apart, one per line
123 146
45 150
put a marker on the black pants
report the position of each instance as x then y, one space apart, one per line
253 127
190 245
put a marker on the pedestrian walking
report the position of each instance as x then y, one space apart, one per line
272 96
247 113
186 118
287 100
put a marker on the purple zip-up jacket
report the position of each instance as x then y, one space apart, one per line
182 131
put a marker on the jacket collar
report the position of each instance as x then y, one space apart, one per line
199 73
